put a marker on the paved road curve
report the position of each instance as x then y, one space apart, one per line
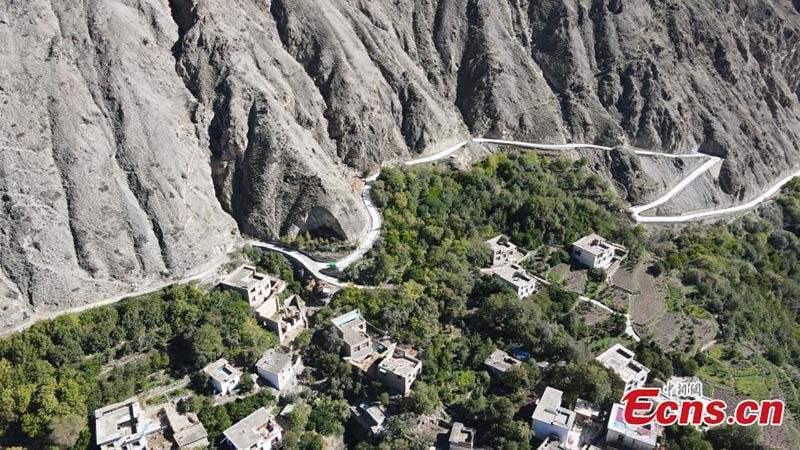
689 217
376 222
637 210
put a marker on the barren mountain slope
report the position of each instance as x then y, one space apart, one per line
137 134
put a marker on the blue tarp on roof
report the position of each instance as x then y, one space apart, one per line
520 353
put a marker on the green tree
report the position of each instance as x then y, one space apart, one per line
298 418
686 438
66 430
311 441
735 438
328 416
503 431
205 345
424 399
246 384
587 380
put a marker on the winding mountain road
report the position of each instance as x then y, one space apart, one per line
535 146
637 210
316 267
723 211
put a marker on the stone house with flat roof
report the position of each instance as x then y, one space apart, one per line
287 321
517 279
399 370
254 286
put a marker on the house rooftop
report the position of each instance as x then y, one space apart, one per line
186 429
374 412
515 274
257 427
119 420
459 434
348 318
620 359
616 421
500 243
351 325
401 365
245 277
595 244
354 336
274 361
222 371
369 416
549 410
501 361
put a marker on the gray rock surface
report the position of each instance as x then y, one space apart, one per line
139 137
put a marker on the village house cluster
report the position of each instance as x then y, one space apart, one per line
278 368
591 251
127 426
581 427
507 269
379 357
376 354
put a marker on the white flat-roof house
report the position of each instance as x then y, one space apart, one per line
287 321
121 426
504 251
353 329
595 252
517 279
258 431
399 371
550 419
279 369
620 360
223 376
630 437
500 362
254 286
461 437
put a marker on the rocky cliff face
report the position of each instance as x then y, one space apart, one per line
138 137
